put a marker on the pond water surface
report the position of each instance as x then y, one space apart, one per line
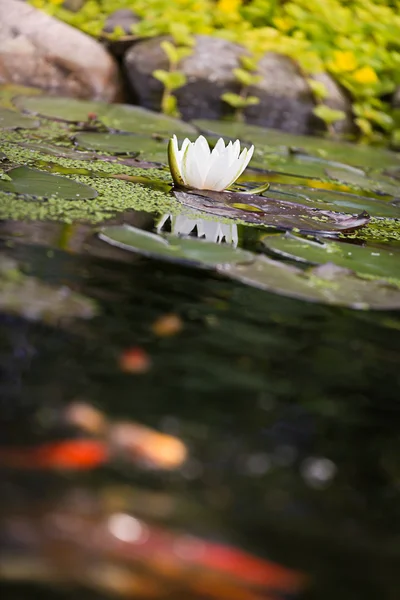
289 410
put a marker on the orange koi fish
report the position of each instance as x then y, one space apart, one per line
78 454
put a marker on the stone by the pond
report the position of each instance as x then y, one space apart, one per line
286 100
124 19
37 50
396 98
337 99
209 72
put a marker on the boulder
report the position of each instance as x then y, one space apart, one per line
209 72
396 98
37 50
286 101
124 18
337 99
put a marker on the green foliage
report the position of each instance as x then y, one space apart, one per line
238 101
329 115
172 79
356 41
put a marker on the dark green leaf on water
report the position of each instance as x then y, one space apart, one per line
326 199
327 284
270 212
32 182
358 179
120 117
124 144
280 142
10 119
173 248
362 259
114 143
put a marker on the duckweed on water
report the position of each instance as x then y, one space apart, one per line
379 230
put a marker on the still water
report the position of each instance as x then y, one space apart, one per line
290 412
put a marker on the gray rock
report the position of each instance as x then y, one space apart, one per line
396 98
37 50
208 71
123 18
286 101
337 99
73 5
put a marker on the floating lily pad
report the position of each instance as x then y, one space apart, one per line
115 143
119 143
270 212
359 179
35 300
10 119
280 142
363 259
32 182
327 284
8 91
325 199
121 117
173 248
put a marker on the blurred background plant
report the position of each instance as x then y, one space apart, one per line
356 41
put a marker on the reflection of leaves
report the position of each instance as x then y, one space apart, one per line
271 212
32 299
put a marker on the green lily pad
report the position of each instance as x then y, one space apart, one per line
119 143
358 179
327 284
32 182
115 143
270 212
362 259
121 117
173 248
324 199
275 141
10 119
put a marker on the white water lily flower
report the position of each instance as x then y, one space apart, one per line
213 231
195 166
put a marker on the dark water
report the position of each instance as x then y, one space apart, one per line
291 412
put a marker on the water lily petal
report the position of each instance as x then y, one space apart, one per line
192 174
216 175
186 142
175 161
235 170
219 147
236 149
194 165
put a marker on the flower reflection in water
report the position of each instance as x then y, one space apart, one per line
212 231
